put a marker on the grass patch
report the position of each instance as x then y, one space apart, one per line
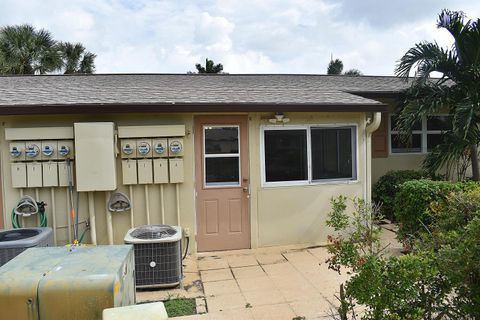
180 307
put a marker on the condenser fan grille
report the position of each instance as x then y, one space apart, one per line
153 232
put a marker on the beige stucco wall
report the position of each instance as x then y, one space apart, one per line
297 214
380 166
279 215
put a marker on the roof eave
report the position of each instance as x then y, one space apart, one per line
109 108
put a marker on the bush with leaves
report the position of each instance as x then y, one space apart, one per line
406 287
388 185
440 279
412 204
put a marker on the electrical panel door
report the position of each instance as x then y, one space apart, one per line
160 170
19 174
176 170
34 174
145 171
64 175
50 174
95 156
129 172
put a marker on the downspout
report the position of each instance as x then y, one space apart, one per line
372 125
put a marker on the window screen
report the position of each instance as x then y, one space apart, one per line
286 155
332 153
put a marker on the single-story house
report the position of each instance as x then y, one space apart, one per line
239 161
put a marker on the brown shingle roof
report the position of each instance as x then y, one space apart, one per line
153 90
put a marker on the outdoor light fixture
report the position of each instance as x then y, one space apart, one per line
279 118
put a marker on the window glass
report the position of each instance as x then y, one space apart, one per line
285 155
393 124
440 123
413 145
222 170
332 153
433 140
220 140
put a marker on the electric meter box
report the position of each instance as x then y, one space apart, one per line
176 170
17 151
144 148
175 147
49 150
63 174
34 174
65 149
160 171
95 161
160 148
145 171
19 174
58 283
129 149
50 174
129 172
32 150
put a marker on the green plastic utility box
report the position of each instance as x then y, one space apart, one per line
58 283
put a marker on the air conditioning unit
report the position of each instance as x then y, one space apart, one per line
15 241
158 255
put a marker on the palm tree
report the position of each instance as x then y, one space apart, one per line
24 50
76 59
335 67
210 67
457 90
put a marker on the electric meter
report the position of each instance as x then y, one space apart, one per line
175 147
32 151
143 148
159 148
128 149
47 150
64 150
15 152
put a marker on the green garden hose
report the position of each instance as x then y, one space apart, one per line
41 211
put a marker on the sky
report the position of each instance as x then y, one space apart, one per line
246 36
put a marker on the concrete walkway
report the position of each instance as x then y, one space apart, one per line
272 283
267 283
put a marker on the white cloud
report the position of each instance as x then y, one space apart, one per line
247 36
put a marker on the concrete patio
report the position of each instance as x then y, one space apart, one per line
267 283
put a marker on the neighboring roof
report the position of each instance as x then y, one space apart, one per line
192 92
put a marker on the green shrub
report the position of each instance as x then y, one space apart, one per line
412 206
387 186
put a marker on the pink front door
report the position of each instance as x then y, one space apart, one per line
222 183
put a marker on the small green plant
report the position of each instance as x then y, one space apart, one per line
248 305
299 318
180 307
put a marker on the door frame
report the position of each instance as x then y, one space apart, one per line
198 122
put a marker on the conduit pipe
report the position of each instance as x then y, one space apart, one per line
109 219
54 213
91 213
68 216
369 129
147 204
132 222
21 196
37 198
162 204
177 195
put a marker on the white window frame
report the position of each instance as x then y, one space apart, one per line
423 132
221 155
310 181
